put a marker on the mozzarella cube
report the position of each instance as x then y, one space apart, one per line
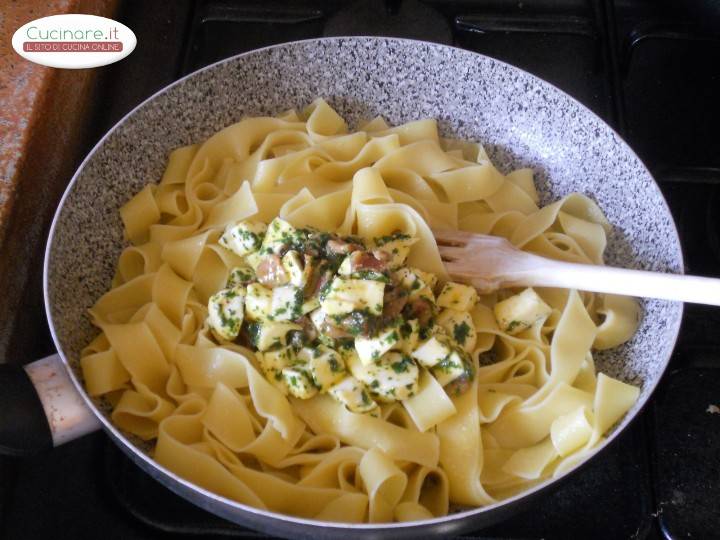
345 268
348 295
243 238
298 382
459 325
432 351
457 296
426 292
324 364
317 317
351 393
393 378
273 362
286 304
258 302
310 305
521 311
370 349
226 312
397 246
449 369
428 278
254 259
278 236
267 335
411 282
295 268
240 275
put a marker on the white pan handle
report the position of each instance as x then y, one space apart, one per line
67 414
40 408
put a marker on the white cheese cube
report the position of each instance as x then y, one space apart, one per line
298 382
449 369
294 266
521 311
241 275
345 268
428 278
278 236
351 393
348 295
253 260
370 349
432 351
317 317
426 292
409 335
226 312
325 365
258 302
397 246
286 305
457 296
310 305
460 327
273 362
243 238
392 378
410 281
266 335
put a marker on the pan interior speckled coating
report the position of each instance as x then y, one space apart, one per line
521 120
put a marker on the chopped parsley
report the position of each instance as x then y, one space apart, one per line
382 240
461 332
401 366
513 325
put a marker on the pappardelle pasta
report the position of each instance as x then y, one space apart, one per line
281 328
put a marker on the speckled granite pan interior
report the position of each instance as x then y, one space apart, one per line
521 120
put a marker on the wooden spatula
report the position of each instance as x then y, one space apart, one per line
490 262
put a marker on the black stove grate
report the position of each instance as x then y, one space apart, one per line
647 68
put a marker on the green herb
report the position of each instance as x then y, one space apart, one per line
461 332
401 366
381 241
392 337
334 364
513 325
370 275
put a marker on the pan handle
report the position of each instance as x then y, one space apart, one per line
40 408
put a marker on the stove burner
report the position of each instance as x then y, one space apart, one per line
405 19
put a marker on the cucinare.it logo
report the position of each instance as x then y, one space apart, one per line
74 41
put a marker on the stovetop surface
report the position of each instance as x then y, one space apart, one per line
650 70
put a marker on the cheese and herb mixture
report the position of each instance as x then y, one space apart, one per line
339 315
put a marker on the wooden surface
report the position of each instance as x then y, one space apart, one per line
43 113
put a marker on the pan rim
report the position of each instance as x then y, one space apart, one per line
167 477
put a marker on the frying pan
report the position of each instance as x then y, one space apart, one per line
521 120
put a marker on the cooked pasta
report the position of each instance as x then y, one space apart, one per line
203 352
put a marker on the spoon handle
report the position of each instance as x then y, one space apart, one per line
605 279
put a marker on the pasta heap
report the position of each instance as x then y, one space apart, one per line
533 409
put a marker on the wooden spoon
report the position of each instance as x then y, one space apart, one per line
490 262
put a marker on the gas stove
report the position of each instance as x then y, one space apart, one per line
649 69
